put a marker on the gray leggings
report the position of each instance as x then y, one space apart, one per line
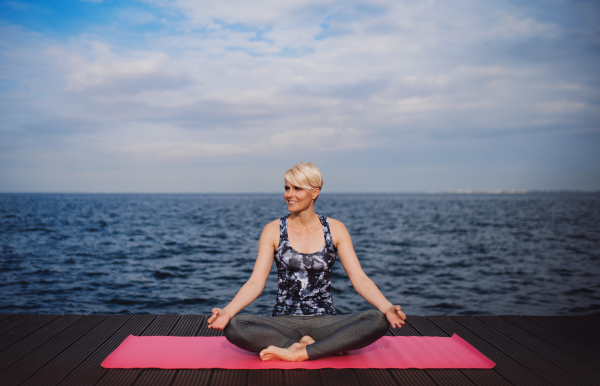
332 333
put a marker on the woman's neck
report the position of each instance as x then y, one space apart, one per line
305 219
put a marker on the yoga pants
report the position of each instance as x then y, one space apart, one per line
332 333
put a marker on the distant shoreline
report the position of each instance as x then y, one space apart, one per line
458 191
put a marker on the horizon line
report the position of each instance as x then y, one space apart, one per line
430 192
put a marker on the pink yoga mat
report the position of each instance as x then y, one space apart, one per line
398 352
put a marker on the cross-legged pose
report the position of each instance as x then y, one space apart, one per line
305 324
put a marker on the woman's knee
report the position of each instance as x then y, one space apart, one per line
233 330
379 320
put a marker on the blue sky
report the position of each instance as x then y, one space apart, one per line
384 96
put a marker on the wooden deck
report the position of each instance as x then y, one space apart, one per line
528 350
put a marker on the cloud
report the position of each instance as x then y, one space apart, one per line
260 13
248 80
510 26
150 71
185 149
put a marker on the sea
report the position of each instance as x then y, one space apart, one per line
461 254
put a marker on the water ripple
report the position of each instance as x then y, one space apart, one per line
177 253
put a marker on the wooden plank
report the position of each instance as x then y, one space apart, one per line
90 371
406 330
506 366
449 377
14 321
155 377
192 377
412 377
19 332
338 377
14 353
572 365
68 360
561 342
5 316
265 377
28 365
485 377
454 376
578 324
578 336
222 377
301 377
593 320
374 377
188 325
162 325
528 357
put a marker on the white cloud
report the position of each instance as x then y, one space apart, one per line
253 79
185 149
261 12
563 107
148 71
511 26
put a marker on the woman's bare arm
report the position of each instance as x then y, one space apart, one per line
255 285
360 281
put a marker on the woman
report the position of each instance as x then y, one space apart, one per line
305 325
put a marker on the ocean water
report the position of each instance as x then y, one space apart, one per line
186 253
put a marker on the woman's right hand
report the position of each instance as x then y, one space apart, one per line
218 320
395 316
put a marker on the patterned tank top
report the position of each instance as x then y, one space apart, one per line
304 286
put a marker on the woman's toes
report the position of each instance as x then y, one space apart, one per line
294 353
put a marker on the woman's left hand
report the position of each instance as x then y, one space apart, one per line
395 316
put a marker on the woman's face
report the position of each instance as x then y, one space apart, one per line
297 198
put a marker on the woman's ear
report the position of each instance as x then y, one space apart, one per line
315 193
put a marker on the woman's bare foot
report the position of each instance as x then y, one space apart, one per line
294 353
306 340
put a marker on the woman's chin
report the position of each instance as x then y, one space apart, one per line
296 208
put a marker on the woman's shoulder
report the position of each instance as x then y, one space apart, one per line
338 230
271 233
336 225
272 226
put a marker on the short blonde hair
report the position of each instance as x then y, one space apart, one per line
304 175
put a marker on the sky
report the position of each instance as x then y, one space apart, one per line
225 96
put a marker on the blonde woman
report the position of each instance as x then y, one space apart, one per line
305 324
